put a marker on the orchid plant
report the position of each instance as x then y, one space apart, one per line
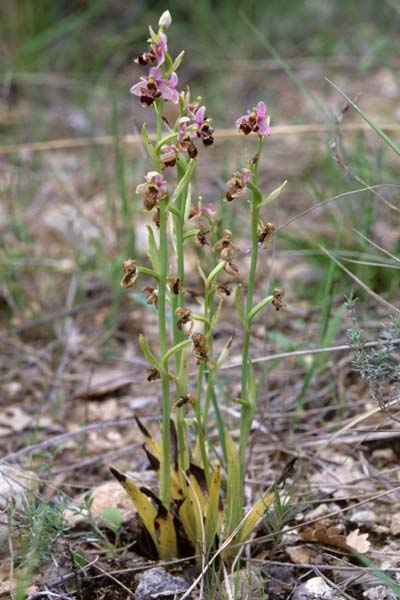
194 509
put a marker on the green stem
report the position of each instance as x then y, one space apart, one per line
246 408
147 271
165 475
178 302
165 463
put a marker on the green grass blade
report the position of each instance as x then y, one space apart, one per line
371 123
289 72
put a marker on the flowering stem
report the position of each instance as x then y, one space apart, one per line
247 409
200 415
165 463
178 302
165 476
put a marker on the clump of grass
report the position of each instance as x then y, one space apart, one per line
34 533
378 366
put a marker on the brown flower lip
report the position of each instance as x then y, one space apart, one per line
131 273
184 401
200 349
277 302
153 374
152 296
186 320
265 233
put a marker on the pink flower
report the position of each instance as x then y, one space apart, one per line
168 155
201 210
237 184
154 190
154 86
156 52
255 120
198 115
161 47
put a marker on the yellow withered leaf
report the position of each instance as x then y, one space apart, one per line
152 443
213 517
255 514
166 534
143 505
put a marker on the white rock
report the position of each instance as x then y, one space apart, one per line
316 589
395 524
380 592
363 516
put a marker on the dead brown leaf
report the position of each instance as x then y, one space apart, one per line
358 541
103 381
322 534
331 536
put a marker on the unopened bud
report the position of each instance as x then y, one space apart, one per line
165 20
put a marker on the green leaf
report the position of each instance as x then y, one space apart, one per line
256 309
224 354
216 315
183 182
213 514
233 484
149 355
251 387
190 233
148 145
239 304
274 195
112 518
174 350
188 203
202 274
255 514
177 62
153 35
256 191
152 251
168 63
183 375
215 272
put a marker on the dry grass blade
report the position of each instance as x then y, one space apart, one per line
377 246
356 421
305 212
136 139
364 286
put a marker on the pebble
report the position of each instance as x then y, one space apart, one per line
158 583
316 589
363 516
380 592
395 525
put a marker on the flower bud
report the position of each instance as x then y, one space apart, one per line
165 20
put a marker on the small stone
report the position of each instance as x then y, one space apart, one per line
316 589
158 583
395 525
363 516
322 510
108 494
386 455
380 592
